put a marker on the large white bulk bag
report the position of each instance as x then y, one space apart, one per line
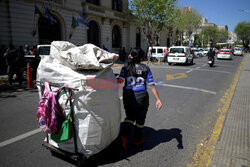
97 109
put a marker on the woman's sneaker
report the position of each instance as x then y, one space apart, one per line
139 142
124 142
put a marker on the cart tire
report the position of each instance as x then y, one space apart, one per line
81 160
53 153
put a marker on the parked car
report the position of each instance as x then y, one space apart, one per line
224 54
205 51
180 54
157 52
201 51
197 52
238 52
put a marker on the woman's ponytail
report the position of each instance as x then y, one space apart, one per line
133 59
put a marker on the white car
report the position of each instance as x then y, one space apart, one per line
238 52
180 54
43 50
201 51
157 52
205 51
224 54
197 52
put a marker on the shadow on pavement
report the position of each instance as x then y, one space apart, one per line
115 152
7 91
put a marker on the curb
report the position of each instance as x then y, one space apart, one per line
208 150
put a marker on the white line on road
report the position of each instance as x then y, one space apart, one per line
189 88
178 68
193 69
20 137
226 72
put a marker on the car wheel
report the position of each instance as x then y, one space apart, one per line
169 64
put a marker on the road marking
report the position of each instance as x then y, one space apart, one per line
176 76
189 88
20 137
178 68
208 151
192 69
225 72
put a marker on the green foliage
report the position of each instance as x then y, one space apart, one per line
153 16
212 35
189 22
222 36
243 31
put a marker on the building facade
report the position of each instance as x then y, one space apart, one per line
105 23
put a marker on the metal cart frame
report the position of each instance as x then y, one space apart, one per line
76 157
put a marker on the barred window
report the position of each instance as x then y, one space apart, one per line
96 2
116 37
117 5
93 33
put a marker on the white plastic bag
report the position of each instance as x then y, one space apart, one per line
87 56
97 109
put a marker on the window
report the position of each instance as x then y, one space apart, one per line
159 50
47 31
93 33
176 50
138 38
117 5
96 2
116 37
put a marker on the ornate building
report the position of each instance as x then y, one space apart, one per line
101 22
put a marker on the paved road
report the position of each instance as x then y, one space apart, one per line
190 96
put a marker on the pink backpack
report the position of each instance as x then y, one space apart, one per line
49 113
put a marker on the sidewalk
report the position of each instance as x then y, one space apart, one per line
232 148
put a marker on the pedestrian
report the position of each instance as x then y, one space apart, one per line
26 50
165 53
33 50
149 55
135 96
2 60
11 60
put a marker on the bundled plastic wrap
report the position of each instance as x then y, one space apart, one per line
96 105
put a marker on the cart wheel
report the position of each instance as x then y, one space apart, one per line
53 153
81 160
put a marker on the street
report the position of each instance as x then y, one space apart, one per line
190 94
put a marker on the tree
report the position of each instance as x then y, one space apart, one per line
190 21
243 31
222 36
212 35
153 16
209 35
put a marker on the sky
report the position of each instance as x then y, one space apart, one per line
220 12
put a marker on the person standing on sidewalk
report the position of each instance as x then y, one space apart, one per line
149 55
135 96
11 60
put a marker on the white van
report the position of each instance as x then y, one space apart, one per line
157 52
180 54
